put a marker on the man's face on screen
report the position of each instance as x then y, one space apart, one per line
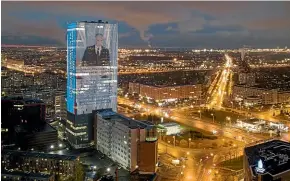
99 40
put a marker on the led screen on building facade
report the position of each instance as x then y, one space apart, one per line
92 67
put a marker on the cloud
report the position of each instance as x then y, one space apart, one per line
190 18
168 28
191 25
18 27
123 35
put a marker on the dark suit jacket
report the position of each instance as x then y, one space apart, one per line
90 57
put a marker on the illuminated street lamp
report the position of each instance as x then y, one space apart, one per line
108 169
229 119
166 146
60 145
212 117
52 146
189 141
199 114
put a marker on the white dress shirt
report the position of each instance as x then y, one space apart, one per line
96 50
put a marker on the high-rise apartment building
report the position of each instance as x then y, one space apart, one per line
92 49
131 143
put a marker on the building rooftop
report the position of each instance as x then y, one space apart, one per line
42 128
108 114
274 155
169 124
25 174
38 155
152 84
253 121
22 100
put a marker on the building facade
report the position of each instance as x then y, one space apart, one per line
126 141
38 162
60 105
161 93
267 96
27 176
92 50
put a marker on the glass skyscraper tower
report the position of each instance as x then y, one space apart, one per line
92 50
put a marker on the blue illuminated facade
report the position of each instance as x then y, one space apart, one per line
71 66
91 77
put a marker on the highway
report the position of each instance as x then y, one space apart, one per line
200 164
222 81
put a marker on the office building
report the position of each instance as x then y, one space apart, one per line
92 50
18 111
37 138
38 162
131 143
267 161
163 93
60 105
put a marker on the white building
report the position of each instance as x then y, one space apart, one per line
60 105
171 128
267 96
119 138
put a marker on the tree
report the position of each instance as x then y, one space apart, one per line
79 174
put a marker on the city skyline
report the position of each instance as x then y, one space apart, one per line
156 24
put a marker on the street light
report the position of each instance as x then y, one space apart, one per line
166 146
199 114
212 117
51 146
229 119
189 141
60 145
108 169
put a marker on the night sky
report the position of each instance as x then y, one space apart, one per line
164 24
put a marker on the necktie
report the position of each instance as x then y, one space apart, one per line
98 52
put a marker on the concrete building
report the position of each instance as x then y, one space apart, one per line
161 93
267 161
19 111
38 162
60 105
267 96
27 176
252 101
126 141
247 78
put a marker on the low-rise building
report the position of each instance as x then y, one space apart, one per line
126 141
38 162
27 176
267 161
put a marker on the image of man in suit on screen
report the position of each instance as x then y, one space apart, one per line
96 55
